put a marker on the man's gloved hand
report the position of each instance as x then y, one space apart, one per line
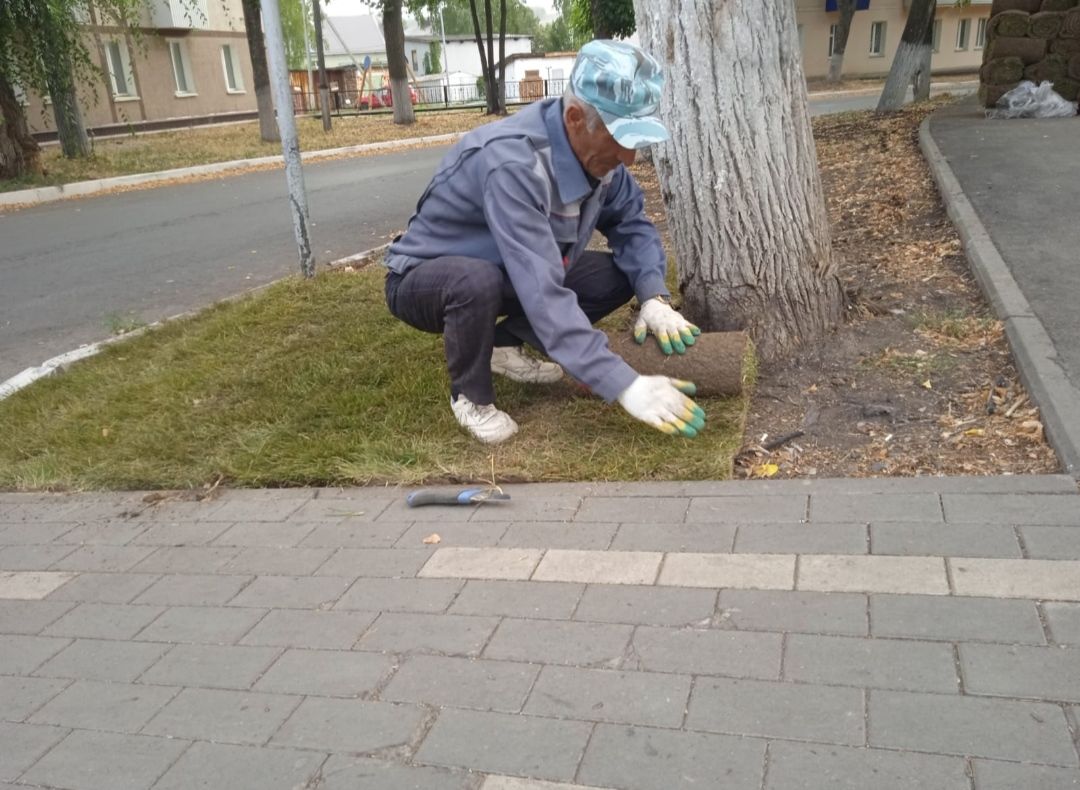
662 403
671 329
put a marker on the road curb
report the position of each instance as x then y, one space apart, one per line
60 362
38 195
1036 358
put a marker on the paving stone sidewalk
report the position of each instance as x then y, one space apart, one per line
770 636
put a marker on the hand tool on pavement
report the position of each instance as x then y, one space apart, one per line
466 496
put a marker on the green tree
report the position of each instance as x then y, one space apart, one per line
42 49
590 19
432 58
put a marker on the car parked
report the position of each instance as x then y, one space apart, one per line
383 98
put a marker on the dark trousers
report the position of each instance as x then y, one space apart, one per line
462 298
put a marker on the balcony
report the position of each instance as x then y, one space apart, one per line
179 15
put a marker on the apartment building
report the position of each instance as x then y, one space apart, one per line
959 36
190 62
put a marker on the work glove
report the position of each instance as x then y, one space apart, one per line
671 329
662 403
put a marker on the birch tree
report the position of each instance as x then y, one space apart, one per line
916 45
740 175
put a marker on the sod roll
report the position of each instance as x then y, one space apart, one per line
1027 6
1070 24
1053 68
1009 23
1058 5
1002 70
1045 24
1065 46
1068 89
989 94
1029 50
715 363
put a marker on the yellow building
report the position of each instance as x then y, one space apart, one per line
959 36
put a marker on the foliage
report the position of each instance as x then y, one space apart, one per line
520 19
432 58
295 16
589 19
558 36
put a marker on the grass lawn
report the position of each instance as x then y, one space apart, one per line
315 383
147 153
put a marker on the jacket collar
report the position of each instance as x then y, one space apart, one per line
570 177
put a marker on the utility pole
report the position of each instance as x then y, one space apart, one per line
290 144
445 53
324 90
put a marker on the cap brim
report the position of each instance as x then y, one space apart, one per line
635 132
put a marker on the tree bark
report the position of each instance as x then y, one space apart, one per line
394 33
324 89
260 75
843 29
921 82
19 152
740 175
489 77
485 71
909 55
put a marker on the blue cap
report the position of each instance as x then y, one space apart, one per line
623 83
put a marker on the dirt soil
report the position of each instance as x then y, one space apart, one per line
919 380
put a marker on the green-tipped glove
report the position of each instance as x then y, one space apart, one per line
672 331
662 403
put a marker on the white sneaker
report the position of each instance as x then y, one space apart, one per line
486 423
516 365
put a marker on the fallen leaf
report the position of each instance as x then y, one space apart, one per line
765 470
433 538
975 432
926 385
105 432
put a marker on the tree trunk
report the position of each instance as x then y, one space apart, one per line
259 74
909 55
74 141
740 176
19 151
483 54
843 28
394 33
921 84
324 89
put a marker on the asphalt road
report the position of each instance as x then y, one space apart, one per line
71 271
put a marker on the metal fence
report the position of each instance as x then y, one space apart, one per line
427 97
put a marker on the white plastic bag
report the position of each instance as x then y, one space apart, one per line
1028 101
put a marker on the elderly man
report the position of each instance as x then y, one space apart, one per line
501 231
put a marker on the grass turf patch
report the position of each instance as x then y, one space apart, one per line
315 383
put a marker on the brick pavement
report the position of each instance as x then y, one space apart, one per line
770 636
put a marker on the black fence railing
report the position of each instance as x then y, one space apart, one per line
426 96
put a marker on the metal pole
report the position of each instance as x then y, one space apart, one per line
324 90
290 145
307 52
445 53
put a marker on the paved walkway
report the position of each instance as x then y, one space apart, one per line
836 634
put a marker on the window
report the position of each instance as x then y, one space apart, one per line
181 66
234 80
963 29
980 33
877 39
832 38
937 34
415 66
121 79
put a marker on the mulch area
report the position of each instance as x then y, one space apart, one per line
919 380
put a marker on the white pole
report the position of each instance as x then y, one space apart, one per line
290 144
445 53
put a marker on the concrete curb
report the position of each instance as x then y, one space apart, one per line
1036 358
25 197
60 363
